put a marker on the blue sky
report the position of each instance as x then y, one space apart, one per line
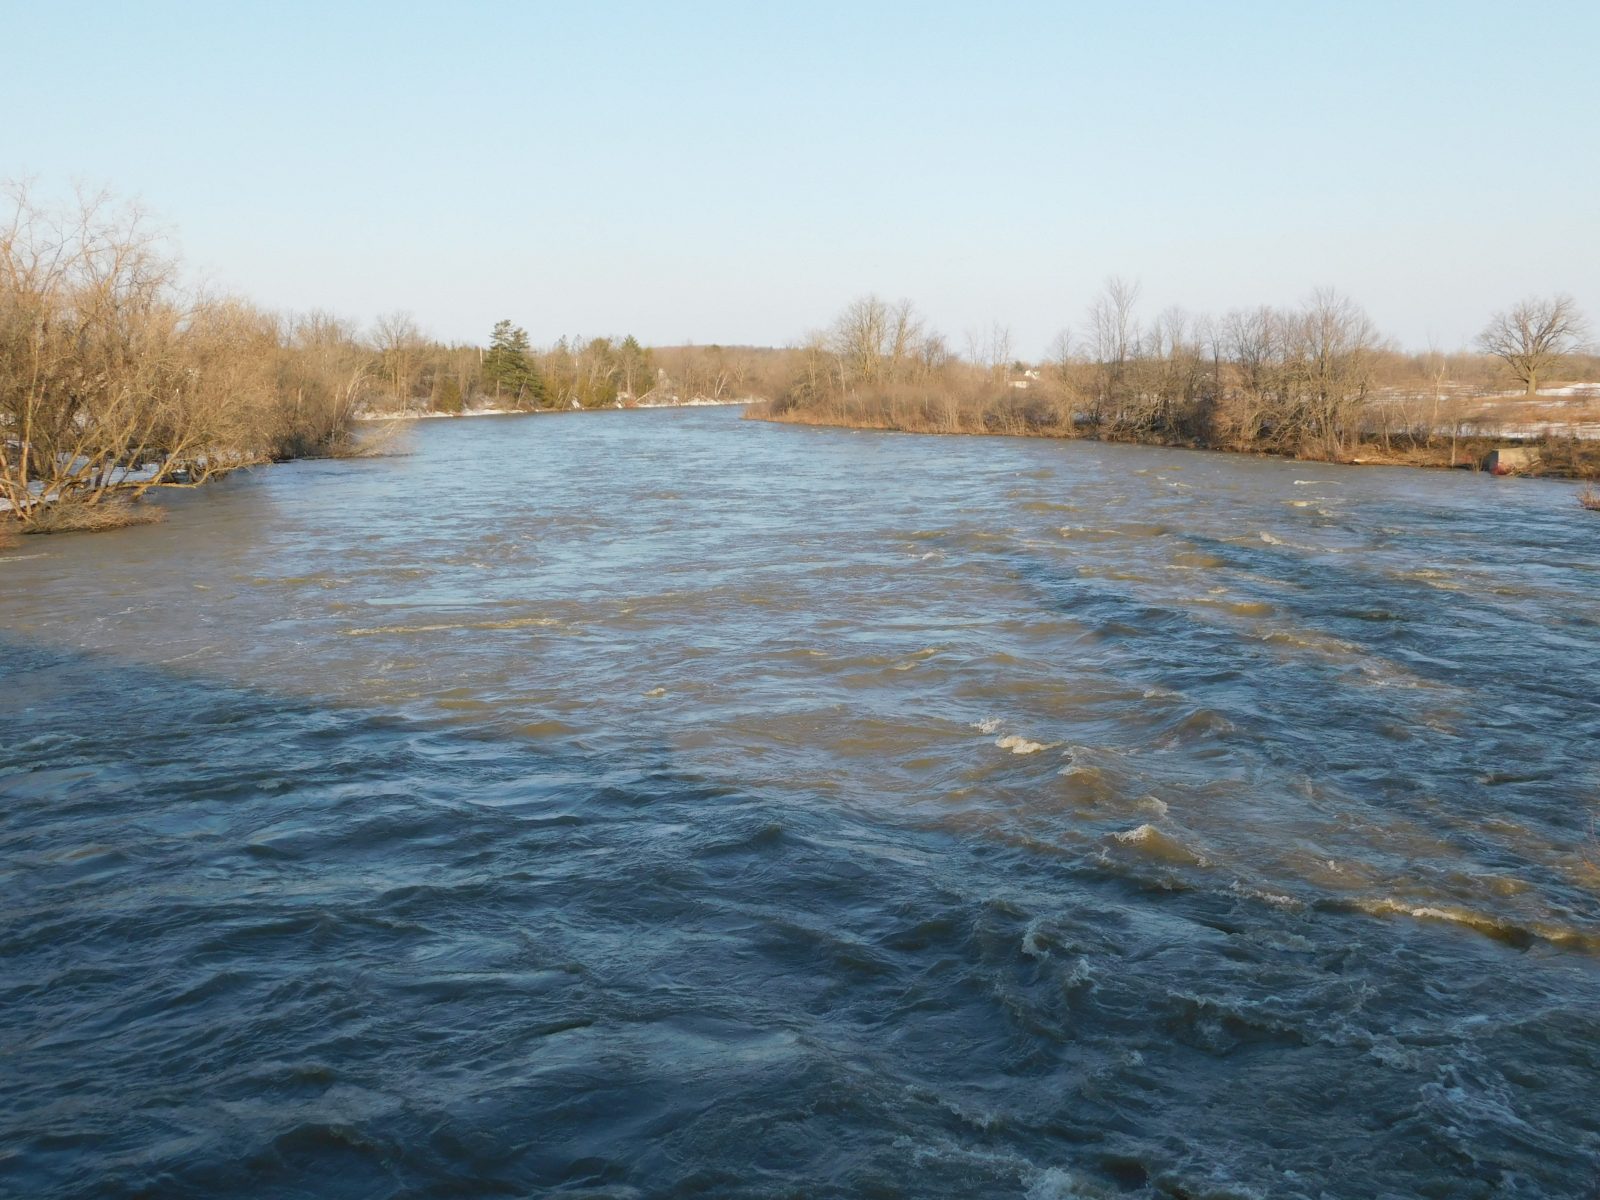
737 173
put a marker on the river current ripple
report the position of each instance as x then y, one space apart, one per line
663 804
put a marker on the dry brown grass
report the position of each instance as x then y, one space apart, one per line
1573 408
1590 498
967 408
76 517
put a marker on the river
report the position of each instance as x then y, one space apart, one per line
663 804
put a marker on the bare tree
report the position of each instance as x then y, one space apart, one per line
1062 359
905 336
814 371
860 339
114 380
933 354
400 344
1252 341
1332 348
1111 320
991 350
1175 379
1113 340
322 383
111 381
1533 334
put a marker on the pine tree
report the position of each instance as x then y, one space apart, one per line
510 368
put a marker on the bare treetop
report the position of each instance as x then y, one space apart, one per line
1533 335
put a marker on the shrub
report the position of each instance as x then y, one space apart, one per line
74 516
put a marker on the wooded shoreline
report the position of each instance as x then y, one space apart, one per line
1575 459
1316 382
115 381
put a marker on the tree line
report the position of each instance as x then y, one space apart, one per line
1317 380
113 381
415 373
116 380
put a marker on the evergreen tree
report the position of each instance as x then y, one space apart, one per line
447 395
510 368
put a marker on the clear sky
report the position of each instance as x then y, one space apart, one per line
737 173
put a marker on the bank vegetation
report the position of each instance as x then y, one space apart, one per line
114 380
117 380
1317 381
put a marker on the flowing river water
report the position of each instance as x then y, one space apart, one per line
663 804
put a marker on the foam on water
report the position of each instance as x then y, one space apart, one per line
1156 844
1018 744
1490 925
1054 1183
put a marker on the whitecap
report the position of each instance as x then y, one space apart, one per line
1032 946
1055 1184
1276 899
1080 975
1155 844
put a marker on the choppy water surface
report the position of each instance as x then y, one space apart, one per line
653 804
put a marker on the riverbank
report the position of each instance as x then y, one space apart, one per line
1559 458
118 500
122 504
